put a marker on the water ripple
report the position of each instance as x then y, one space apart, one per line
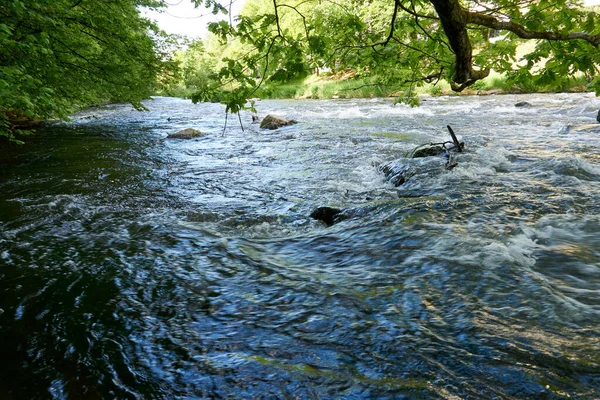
139 267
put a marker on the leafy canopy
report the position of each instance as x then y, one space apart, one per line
404 43
60 55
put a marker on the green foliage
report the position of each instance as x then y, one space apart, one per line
324 87
399 47
60 55
196 70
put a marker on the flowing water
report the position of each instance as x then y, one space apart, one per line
132 266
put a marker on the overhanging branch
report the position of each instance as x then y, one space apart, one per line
454 20
392 23
277 18
522 32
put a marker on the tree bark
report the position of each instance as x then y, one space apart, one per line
454 20
519 30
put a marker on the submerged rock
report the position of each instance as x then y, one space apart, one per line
329 215
398 172
274 122
394 173
523 104
581 128
188 133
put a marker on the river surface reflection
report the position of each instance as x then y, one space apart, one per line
132 266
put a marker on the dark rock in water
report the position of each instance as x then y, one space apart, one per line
523 104
188 133
598 117
274 122
329 215
430 151
394 173
398 172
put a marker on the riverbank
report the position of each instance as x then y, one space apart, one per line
14 125
345 85
348 85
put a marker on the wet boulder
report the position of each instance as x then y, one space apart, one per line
429 151
398 172
188 133
275 122
598 117
328 215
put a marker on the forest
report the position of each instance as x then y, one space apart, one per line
60 56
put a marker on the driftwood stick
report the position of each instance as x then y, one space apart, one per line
454 139
240 118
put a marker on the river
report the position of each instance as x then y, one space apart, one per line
132 266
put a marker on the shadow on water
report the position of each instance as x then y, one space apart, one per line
136 267
64 197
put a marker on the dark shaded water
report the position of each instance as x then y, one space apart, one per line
136 267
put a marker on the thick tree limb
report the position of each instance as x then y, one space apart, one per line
454 20
519 30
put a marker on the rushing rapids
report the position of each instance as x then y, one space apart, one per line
137 267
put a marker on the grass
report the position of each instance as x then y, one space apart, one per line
325 87
347 85
501 82
179 90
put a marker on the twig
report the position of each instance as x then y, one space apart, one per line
240 118
277 18
454 139
392 24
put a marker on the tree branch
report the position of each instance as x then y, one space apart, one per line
277 18
301 16
262 77
420 51
415 14
454 20
392 23
522 32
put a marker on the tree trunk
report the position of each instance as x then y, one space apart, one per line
454 21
